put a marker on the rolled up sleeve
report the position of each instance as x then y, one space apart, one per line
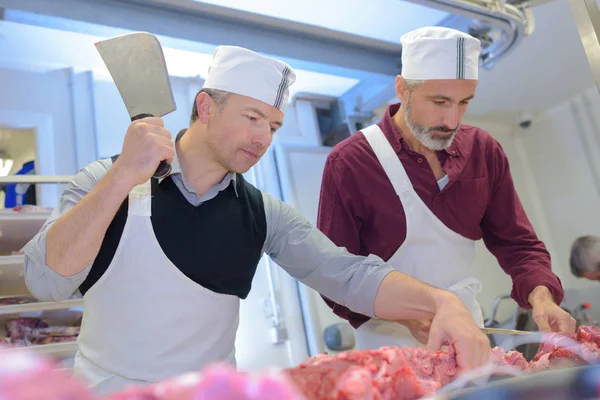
42 281
312 258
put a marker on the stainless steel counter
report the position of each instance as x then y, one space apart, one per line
559 384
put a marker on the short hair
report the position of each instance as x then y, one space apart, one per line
585 254
218 96
412 84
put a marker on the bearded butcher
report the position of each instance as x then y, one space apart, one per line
162 263
418 189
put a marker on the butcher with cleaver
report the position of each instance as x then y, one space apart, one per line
163 255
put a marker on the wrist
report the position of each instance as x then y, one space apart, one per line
540 295
121 177
442 298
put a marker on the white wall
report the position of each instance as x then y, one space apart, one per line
88 117
43 94
556 167
563 146
495 281
112 119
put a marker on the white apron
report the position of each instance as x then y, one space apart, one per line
431 252
144 320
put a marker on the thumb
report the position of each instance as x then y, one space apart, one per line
542 322
436 339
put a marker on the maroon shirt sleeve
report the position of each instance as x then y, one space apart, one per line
340 221
510 237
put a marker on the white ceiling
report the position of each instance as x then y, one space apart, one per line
385 20
43 49
545 69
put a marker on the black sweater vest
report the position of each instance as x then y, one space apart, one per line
217 244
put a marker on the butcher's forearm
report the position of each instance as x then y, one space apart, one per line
401 297
74 239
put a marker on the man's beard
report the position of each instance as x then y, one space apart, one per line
424 135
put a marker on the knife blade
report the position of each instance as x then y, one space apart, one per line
137 65
498 331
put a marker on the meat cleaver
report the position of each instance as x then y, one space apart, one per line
137 65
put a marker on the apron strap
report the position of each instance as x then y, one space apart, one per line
140 200
388 159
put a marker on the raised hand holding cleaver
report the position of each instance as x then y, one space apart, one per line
137 65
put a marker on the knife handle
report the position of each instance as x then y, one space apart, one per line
164 168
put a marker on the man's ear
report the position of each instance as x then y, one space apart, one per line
205 106
402 91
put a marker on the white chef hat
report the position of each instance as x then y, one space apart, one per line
435 52
245 72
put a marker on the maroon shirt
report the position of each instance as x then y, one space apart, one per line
359 209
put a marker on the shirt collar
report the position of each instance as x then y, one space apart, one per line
394 136
176 169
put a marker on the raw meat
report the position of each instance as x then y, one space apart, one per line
214 383
9 301
560 350
54 331
389 373
34 331
53 339
512 358
30 208
411 373
26 376
19 328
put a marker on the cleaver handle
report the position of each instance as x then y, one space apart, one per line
164 168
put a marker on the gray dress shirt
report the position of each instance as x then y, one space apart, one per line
292 242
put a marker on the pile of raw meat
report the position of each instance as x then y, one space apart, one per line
389 373
11 301
34 331
218 382
557 351
392 373
26 376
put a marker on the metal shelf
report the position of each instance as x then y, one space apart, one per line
36 179
60 350
39 306
18 228
11 261
12 281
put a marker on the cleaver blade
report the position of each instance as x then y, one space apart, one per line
137 66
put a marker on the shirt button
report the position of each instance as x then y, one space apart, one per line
419 160
437 199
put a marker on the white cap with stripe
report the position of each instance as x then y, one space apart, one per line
245 72
435 52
